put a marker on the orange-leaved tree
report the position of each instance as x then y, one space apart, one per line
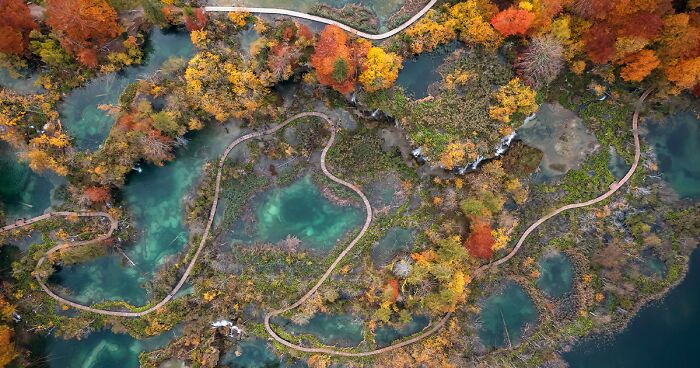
512 21
637 66
337 59
7 347
83 26
15 24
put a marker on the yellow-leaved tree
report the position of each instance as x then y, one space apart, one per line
381 69
511 98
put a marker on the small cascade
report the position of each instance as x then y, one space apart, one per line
233 330
353 99
474 165
418 156
504 143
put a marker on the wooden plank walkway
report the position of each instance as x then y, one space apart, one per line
427 332
316 18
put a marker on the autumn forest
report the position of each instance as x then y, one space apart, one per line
495 184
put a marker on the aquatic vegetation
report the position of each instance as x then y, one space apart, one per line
436 258
301 211
506 316
556 275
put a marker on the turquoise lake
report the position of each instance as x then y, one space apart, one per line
556 275
23 193
155 199
101 349
80 112
676 143
301 210
505 315
336 330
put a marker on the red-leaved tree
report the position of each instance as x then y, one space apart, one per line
512 21
197 20
15 24
480 241
97 194
83 26
599 43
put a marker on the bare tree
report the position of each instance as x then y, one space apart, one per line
542 61
156 148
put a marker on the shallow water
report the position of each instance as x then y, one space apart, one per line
561 136
101 349
510 307
652 265
662 334
23 193
556 275
301 210
420 72
676 143
24 85
337 330
617 165
253 353
385 334
155 198
79 111
397 239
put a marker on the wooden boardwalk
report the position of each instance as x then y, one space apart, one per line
316 18
426 332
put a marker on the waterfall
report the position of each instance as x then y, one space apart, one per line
474 165
504 143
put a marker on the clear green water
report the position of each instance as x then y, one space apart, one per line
556 274
663 334
341 330
79 111
155 198
301 210
510 307
396 240
677 145
23 193
101 349
385 335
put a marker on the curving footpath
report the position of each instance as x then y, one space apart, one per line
613 188
190 267
316 18
427 332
